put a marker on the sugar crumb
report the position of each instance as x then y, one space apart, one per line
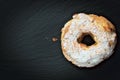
54 39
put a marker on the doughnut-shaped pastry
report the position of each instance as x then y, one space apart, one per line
99 28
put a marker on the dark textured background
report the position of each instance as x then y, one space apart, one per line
27 51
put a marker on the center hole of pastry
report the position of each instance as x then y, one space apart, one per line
86 38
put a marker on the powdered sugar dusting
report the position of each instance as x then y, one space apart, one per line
82 23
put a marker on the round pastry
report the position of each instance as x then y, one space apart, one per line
99 28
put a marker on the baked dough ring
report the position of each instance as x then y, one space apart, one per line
101 30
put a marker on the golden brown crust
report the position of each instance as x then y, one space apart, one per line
66 28
64 31
104 23
66 56
111 43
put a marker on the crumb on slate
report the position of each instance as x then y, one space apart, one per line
54 39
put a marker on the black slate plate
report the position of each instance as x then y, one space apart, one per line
27 51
